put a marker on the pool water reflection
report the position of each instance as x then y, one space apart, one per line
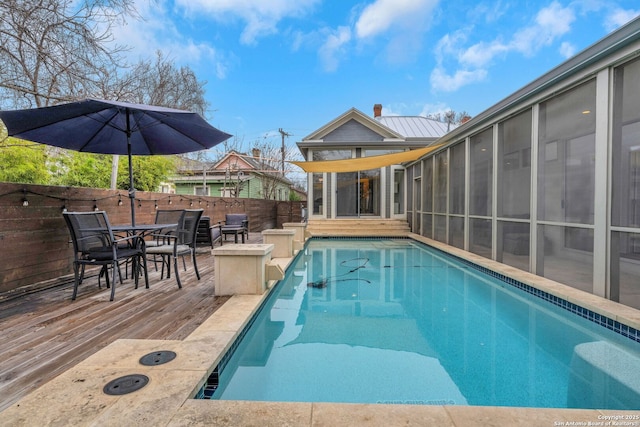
394 321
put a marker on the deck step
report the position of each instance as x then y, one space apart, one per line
358 227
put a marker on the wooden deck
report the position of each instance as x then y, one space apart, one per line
45 333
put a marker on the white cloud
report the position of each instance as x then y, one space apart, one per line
488 12
441 81
555 19
567 49
469 60
334 47
433 109
618 17
472 63
298 40
481 54
402 22
157 31
261 17
550 23
449 45
382 15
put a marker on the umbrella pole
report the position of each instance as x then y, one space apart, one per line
132 191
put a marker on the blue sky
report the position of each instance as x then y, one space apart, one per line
298 64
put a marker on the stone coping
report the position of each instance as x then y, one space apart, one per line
278 232
76 398
257 249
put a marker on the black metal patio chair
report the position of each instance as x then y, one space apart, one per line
209 234
160 237
164 216
182 242
94 243
236 224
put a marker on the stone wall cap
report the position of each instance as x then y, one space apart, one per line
278 231
254 249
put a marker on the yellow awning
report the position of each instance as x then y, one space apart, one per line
365 163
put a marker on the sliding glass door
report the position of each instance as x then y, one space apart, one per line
358 193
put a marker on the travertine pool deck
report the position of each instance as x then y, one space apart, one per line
76 397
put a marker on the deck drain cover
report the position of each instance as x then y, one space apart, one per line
157 358
126 384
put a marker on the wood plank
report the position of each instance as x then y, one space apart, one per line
45 333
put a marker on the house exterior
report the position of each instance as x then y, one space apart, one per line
548 179
236 175
372 193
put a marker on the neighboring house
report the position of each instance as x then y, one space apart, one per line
235 175
376 192
166 187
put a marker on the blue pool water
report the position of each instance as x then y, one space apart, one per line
394 321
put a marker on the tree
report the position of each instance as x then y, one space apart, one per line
231 144
271 166
75 169
161 82
23 161
148 172
53 51
450 117
72 168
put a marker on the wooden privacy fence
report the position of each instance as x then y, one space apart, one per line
35 249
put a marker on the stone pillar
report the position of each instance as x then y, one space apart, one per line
299 237
282 241
241 268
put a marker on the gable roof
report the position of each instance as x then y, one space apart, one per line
233 160
358 116
406 132
237 161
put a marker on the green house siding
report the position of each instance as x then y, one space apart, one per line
186 189
252 188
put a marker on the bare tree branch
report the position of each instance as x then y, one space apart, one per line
271 167
160 82
53 51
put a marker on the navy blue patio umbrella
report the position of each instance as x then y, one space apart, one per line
112 127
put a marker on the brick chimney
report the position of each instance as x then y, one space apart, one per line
377 110
256 153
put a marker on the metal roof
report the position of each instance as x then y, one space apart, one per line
414 126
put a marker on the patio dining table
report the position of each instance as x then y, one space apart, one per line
142 230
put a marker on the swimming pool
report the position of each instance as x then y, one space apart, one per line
394 321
